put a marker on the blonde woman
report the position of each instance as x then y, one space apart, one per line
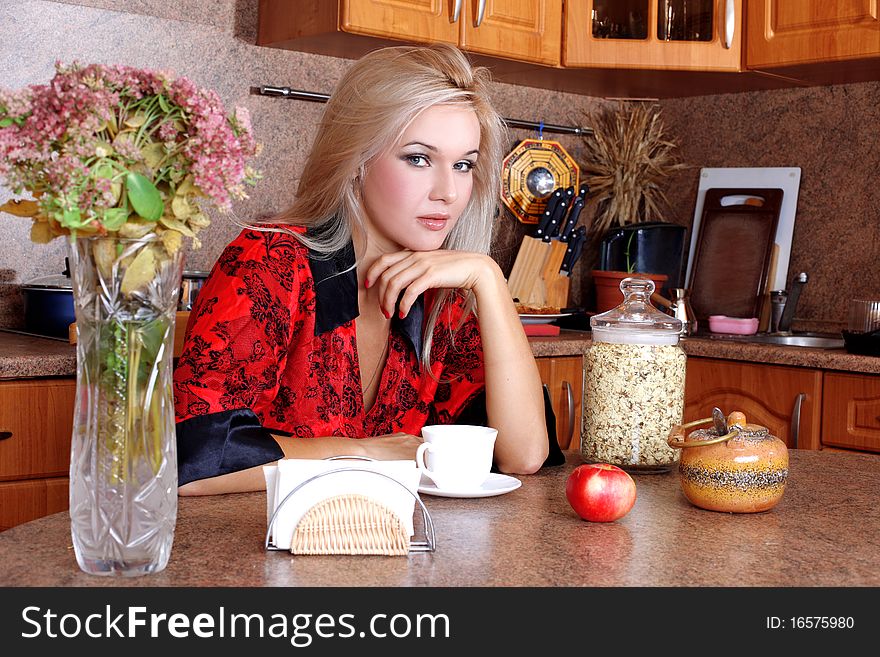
371 307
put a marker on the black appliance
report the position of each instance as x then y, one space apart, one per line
649 247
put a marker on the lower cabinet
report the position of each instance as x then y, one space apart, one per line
786 400
36 417
23 501
851 411
564 378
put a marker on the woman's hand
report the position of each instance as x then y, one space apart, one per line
402 276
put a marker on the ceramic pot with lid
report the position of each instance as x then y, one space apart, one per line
742 471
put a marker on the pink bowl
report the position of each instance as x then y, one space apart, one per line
735 325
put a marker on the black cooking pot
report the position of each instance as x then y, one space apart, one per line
48 305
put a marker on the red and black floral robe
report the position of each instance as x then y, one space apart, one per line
271 348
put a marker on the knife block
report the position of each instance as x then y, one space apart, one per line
535 279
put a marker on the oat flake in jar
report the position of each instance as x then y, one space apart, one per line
633 384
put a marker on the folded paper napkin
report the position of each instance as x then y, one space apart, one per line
290 473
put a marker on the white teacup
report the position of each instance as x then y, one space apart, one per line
456 457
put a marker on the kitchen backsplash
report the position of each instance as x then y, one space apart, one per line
827 131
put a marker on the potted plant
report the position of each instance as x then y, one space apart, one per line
626 162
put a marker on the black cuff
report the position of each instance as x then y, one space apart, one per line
220 443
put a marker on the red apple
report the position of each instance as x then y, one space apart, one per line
600 492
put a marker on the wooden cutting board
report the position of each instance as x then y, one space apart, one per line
733 251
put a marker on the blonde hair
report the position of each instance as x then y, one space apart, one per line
373 104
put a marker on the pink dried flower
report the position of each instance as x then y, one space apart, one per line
64 141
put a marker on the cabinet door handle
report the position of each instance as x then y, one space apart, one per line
456 11
729 23
5 434
796 419
569 399
481 12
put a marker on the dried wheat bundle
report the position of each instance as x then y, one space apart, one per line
626 161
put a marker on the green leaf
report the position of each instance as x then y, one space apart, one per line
163 103
114 218
71 218
145 198
5 123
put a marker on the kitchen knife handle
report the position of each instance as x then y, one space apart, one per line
557 219
796 419
481 13
573 216
4 435
729 23
456 11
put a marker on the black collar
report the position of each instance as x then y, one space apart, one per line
336 297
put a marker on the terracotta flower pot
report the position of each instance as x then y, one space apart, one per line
608 294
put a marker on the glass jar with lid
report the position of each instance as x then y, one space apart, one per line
633 384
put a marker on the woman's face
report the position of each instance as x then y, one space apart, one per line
415 192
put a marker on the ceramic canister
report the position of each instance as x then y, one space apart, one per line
742 472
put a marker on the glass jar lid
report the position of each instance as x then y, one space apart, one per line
636 320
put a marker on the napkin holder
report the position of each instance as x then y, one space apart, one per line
352 523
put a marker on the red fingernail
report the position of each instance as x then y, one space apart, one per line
386 313
401 314
366 283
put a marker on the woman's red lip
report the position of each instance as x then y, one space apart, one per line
442 217
433 222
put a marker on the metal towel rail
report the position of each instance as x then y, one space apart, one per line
315 97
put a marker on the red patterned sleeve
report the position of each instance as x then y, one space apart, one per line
235 348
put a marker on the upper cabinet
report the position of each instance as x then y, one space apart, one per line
524 30
520 30
785 33
425 21
686 35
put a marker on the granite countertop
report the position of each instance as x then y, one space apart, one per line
23 356
573 343
824 532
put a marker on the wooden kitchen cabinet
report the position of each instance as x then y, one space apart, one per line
564 378
810 31
786 400
520 30
36 417
523 30
851 411
686 35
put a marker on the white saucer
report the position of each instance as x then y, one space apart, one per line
541 319
495 484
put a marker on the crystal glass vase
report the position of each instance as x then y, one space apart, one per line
123 466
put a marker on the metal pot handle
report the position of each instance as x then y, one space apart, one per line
676 435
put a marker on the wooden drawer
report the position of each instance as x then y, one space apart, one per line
23 501
786 400
851 411
36 419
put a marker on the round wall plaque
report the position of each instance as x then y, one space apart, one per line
531 172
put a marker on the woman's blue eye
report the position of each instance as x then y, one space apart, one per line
465 165
417 160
